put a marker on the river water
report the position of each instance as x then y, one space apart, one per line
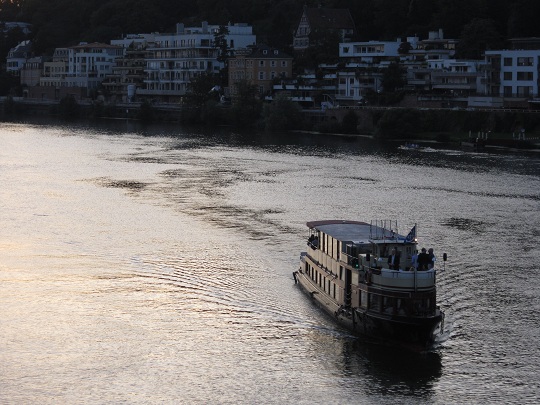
154 265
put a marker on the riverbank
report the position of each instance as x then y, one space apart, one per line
510 128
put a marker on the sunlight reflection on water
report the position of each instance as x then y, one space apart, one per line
140 268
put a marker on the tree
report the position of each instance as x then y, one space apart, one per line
404 48
350 122
199 93
476 37
246 106
393 78
68 107
224 51
282 114
398 124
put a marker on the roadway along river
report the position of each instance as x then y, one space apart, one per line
155 266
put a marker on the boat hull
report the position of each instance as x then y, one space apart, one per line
411 332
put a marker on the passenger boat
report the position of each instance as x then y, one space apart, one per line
348 271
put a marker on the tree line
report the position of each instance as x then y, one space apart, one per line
479 23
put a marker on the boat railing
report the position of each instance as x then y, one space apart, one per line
408 275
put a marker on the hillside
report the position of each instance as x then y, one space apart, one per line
67 22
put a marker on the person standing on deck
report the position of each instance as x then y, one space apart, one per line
393 260
423 260
414 260
431 258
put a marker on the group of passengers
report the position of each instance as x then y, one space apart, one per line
421 262
313 241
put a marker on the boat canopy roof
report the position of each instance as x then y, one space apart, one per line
357 232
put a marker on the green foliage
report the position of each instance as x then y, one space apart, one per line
220 43
350 122
476 37
146 112
68 107
398 124
9 84
10 106
393 78
199 93
246 108
282 114
66 22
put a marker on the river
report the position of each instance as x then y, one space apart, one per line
154 265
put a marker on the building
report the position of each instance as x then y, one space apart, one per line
457 77
434 47
322 20
31 71
175 59
55 70
513 73
370 52
76 70
261 66
17 57
88 64
128 73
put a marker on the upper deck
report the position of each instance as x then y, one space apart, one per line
344 231
356 231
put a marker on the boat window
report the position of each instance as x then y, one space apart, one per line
388 305
363 299
375 302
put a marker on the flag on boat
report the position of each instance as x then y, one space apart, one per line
412 235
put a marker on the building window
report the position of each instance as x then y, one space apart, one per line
525 61
261 76
524 91
525 76
507 91
507 75
507 61
273 63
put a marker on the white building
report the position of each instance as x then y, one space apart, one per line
513 73
457 77
369 52
176 58
17 57
135 41
88 64
54 71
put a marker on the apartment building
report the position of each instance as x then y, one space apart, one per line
128 73
259 65
513 73
175 59
88 64
457 77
